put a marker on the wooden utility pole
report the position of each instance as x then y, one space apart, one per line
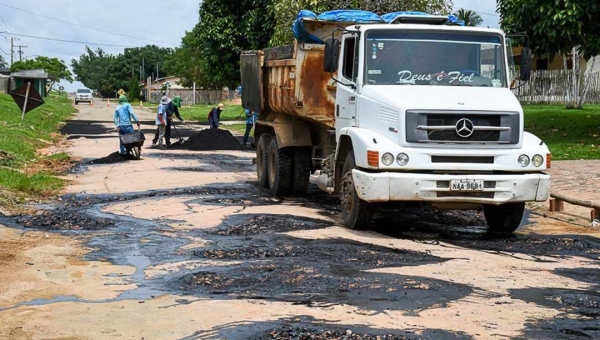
12 50
20 51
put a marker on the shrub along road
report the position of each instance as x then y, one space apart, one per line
185 245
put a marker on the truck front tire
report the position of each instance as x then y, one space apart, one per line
300 171
280 169
505 218
355 212
262 160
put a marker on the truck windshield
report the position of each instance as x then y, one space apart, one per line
83 91
435 58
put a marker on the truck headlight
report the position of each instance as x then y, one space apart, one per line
537 161
387 159
524 160
402 159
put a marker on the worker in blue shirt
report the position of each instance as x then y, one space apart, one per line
251 118
123 117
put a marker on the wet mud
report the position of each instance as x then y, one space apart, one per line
249 256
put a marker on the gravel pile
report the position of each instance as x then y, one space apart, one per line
114 157
210 139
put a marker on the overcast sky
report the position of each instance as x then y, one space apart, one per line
161 22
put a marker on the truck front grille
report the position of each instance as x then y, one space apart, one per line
462 159
468 127
445 194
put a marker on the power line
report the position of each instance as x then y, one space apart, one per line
490 14
5 24
68 41
3 51
83 26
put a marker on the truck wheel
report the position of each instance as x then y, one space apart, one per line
262 160
136 151
355 212
280 169
76 102
505 218
300 171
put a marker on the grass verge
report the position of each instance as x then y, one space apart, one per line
199 113
19 144
570 134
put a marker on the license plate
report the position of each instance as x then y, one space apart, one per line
466 185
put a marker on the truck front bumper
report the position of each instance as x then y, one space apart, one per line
498 189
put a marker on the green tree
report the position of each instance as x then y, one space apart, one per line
107 73
56 69
186 61
3 62
92 69
134 89
227 28
287 10
557 27
470 18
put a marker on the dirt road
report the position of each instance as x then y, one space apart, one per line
185 245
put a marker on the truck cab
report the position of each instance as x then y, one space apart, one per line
423 115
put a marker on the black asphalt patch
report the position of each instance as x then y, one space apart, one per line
260 224
64 219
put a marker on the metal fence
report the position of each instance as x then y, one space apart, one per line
555 86
202 96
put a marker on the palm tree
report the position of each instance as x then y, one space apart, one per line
471 18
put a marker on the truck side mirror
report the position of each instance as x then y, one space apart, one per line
525 64
332 55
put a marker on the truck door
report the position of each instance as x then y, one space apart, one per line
346 96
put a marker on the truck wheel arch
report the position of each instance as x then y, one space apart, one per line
345 145
289 131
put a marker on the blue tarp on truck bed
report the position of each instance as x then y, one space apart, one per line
353 16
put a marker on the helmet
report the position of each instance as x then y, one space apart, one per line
122 99
177 101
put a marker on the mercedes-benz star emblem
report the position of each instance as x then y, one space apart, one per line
465 128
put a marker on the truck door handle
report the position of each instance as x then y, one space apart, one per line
337 110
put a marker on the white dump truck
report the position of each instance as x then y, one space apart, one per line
415 112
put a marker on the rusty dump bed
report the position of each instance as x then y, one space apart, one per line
291 79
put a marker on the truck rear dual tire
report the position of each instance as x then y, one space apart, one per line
280 169
301 166
262 160
505 218
285 171
356 213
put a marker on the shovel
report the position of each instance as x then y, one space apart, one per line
190 127
181 141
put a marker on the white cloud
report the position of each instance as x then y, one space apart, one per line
164 21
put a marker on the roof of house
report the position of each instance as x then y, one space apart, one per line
35 74
4 70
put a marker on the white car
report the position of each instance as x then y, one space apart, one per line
83 95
